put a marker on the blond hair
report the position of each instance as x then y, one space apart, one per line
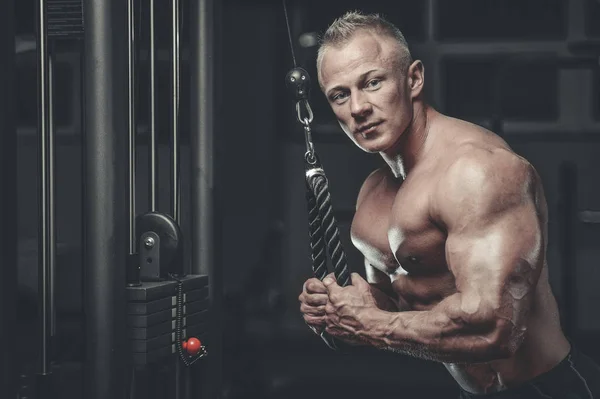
343 29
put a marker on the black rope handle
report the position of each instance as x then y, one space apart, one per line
327 229
324 232
317 243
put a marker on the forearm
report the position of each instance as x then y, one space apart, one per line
385 297
440 334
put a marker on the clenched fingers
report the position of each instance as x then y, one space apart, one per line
312 310
313 299
314 286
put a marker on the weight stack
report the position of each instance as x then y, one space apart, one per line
151 317
65 19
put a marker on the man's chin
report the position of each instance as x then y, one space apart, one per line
372 146
370 150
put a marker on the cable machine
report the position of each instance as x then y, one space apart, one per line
146 310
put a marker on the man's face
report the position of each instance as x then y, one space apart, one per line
370 97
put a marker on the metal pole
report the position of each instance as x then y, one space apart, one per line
8 203
202 27
132 126
44 201
201 134
105 199
51 197
568 245
180 391
175 73
153 142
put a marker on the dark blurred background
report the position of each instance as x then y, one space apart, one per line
526 69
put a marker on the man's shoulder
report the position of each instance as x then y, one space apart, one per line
376 176
475 160
485 175
371 181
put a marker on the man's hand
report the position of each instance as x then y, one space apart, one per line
348 308
316 298
312 304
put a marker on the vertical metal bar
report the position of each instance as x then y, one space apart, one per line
8 203
153 142
435 91
202 61
82 125
51 196
180 391
430 20
201 134
105 199
175 73
132 124
568 250
43 191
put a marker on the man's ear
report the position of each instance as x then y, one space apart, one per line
416 78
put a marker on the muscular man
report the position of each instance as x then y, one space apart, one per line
453 232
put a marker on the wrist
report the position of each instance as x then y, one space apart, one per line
377 327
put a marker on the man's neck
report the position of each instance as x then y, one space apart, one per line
409 150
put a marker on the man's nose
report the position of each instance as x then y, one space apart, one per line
359 106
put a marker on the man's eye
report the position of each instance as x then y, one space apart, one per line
373 83
338 96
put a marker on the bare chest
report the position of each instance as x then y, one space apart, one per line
393 229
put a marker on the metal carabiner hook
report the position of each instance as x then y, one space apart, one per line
303 119
310 149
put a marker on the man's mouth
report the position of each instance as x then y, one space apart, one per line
365 130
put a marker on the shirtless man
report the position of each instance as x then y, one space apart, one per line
453 232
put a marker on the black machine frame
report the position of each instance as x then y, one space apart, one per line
109 214
8 203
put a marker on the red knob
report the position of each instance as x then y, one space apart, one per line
193 346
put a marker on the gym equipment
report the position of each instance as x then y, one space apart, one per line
8 204
144 304
159 245
322 221
46 192
164 305
323 229
159 321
